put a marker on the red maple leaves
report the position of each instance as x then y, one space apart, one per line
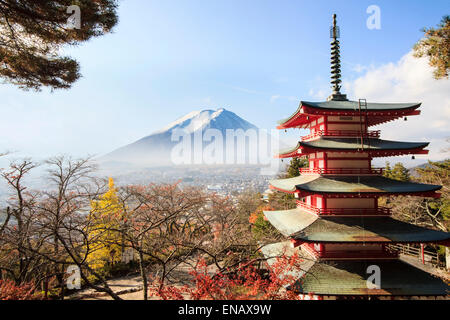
245 282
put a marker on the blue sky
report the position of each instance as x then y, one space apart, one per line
256 58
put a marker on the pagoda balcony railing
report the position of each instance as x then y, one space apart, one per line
431 257
371 171
341 133
380 211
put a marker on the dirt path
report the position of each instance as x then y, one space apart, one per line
122 285
130 287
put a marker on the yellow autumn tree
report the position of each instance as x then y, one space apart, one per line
105 241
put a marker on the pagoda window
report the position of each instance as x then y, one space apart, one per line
359 250
345 126
334 119
346 155
366 203
348 163
319 202
318 247
321 164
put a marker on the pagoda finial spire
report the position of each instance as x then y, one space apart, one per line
335 64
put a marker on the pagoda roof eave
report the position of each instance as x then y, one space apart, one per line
377 147
350 105
314 109
289 152
351 144
369 185
354 143
288 222
305 226
292 116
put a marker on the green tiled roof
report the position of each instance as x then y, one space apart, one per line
352 106
290 149
350 184
367 229
302 225
290 221
355 143
347 277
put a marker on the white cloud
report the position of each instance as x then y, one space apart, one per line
320 94
358 68
319 88
274 98
409 80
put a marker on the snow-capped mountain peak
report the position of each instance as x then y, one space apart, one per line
200 120
156 148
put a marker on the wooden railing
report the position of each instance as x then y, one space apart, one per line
341 133
429 257
380 211
374 171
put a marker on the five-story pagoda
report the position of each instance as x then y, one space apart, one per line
338 224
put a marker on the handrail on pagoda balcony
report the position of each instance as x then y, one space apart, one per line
382 211
374 171
341 133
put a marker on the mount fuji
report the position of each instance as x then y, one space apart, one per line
156 148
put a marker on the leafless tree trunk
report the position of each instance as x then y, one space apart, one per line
143 275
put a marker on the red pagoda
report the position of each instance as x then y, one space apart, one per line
338 226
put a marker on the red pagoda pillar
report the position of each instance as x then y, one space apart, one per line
338 225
